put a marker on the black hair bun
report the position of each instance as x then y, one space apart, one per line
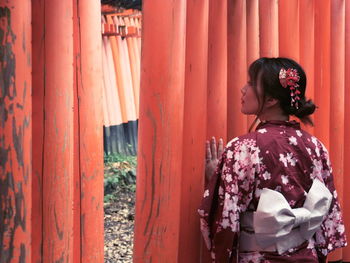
305 109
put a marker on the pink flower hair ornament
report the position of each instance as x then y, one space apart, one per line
290 78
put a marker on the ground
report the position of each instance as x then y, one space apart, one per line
119 208
119 228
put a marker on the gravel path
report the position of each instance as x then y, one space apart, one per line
119 227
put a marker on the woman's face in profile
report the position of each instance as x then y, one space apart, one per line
249 101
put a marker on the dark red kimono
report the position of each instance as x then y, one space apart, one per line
279 156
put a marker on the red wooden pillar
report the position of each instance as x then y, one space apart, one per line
15 131
253 49
252 41
237 67
58 133
217 70
307 46
337 73
159 172
38 79
90 131
288 28
346 194
322 70
268 21
194 129
76 161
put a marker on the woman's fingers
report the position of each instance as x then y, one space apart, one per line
208 151
220 147
213 151
213 148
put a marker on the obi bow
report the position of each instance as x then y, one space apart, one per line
276 223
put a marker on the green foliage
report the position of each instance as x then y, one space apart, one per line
119 175
114 158
109 198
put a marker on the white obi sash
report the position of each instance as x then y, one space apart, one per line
275 226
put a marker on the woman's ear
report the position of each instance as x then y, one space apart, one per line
271 102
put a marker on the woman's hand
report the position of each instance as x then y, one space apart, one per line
212 157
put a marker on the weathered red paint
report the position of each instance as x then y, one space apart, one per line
160 148
194 129
236 67
164 162
322 77
307 46
268 28
253 48
217 70
15 131
288 28
76 152
90 132
311 28
58 133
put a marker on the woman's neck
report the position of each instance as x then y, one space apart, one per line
273 114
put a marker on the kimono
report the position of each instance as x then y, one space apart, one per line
280 156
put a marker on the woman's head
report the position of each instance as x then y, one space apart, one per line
264 86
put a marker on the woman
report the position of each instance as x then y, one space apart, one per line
271 197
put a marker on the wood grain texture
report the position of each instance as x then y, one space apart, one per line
90 132
236 67
194 130
158 189
268 28
217 70
59 135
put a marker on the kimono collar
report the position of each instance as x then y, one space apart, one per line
271 123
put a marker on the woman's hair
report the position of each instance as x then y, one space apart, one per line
266 70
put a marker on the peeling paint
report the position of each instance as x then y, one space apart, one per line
61 259
3 156
58 231
19 106
10 220
3 114
10 110
22 256
18 141
7 57
24 38
13 212
8 225
82 224
20 208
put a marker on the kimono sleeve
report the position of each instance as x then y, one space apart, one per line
331 234
228 195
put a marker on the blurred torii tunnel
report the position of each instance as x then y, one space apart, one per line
194 61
